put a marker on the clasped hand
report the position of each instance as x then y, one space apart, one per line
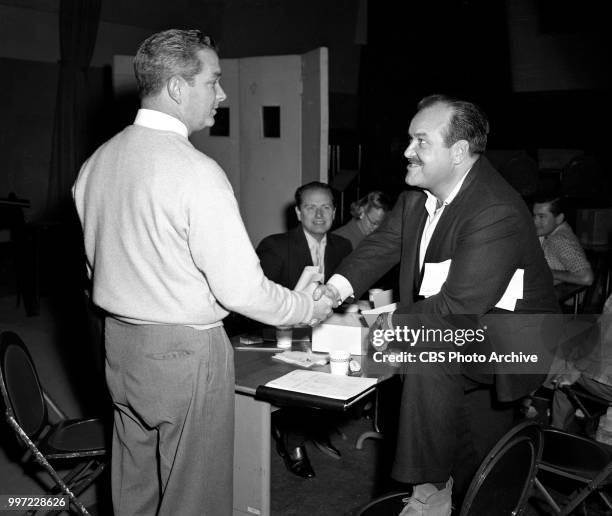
326 297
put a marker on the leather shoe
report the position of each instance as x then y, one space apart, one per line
298 463
325 446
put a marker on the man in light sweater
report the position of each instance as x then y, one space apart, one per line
169 257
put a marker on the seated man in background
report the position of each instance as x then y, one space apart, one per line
368 214
283 257
562 250
593 372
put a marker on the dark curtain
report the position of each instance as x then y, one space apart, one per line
57 240
78 24
404 61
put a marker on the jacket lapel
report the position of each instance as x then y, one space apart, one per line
328 259
299 253
440 238
415 238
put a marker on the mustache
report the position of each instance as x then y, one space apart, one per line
414 161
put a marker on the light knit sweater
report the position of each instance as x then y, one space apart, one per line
164 239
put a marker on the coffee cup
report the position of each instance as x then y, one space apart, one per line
372 293
339 361
284 337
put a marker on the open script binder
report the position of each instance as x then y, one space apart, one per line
315 389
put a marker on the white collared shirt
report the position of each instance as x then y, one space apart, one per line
343 286
160 121
317 251
433 216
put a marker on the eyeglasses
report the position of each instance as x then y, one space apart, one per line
375 224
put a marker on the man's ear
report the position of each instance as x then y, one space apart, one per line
460 151
559 219
298 213
174 86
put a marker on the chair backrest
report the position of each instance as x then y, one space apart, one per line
593 407
569 451
21 390
582 177
502 483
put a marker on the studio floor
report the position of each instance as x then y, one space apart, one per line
339 488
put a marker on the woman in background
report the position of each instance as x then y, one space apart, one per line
368 214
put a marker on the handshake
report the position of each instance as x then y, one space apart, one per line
326 297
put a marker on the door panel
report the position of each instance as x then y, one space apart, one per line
225 150
270 168
315 116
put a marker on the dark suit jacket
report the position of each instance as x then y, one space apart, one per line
488 233
283 256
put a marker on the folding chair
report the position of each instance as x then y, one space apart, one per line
593 407
577 458
80 441
500 486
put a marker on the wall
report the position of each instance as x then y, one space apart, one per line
557 45
277 27
541 79
29 51
27 103
28 91
32 35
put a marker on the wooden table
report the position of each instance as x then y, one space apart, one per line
252 426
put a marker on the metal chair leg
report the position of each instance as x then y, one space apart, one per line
546 495
372 434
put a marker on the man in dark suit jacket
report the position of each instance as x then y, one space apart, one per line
465 212
283 258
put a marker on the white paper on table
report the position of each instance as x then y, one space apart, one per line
302 358
323 384
435 275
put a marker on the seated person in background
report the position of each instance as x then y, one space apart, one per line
283 258
593 372
562 250
368 214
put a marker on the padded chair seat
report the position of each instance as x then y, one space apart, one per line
81 441
575 454
74 437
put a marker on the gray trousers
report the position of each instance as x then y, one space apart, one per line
173 438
